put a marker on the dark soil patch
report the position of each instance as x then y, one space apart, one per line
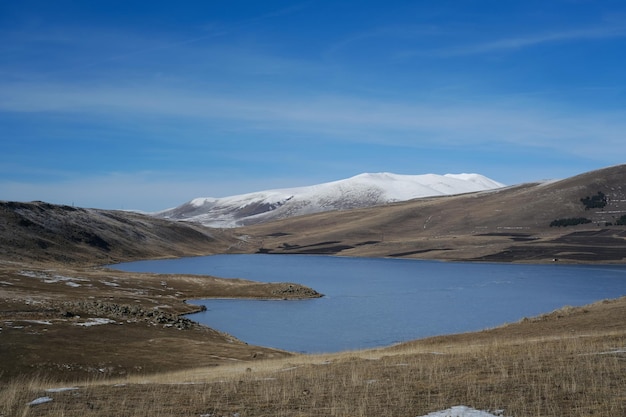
416 252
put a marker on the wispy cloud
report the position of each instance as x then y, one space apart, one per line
212 32
391 35
336 117
525 41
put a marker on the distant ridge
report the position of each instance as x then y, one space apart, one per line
576 219
508 224
360 191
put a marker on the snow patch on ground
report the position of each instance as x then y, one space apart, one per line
463 411
610 352
40 400
53 390
95 322
53 279
44 322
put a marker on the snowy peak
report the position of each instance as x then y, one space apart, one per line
360 191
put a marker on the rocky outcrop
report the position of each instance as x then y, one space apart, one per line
295 291
131 313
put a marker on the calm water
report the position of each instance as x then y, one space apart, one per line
378 302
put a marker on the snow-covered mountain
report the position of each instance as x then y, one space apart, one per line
363 190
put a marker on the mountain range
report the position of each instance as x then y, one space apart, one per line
364 190
576 219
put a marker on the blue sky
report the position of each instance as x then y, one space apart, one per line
147 104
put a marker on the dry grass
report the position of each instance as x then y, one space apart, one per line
545 373
40 316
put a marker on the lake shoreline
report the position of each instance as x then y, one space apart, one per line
25 299
507 293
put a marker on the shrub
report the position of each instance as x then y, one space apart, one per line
569 222
595 201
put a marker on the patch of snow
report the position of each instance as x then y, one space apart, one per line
60 278
53 390
610 352
199 202
463 411
53 279
364 190
6 283
44 322
40 400
95 322
110 284
32 274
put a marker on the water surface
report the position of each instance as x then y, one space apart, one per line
378 302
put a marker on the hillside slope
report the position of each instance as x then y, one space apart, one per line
505 224
508 224
40 231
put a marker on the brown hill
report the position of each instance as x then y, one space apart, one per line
510 224
40 231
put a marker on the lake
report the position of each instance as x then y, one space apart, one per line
379 302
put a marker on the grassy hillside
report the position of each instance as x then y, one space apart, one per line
510 224
45 232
